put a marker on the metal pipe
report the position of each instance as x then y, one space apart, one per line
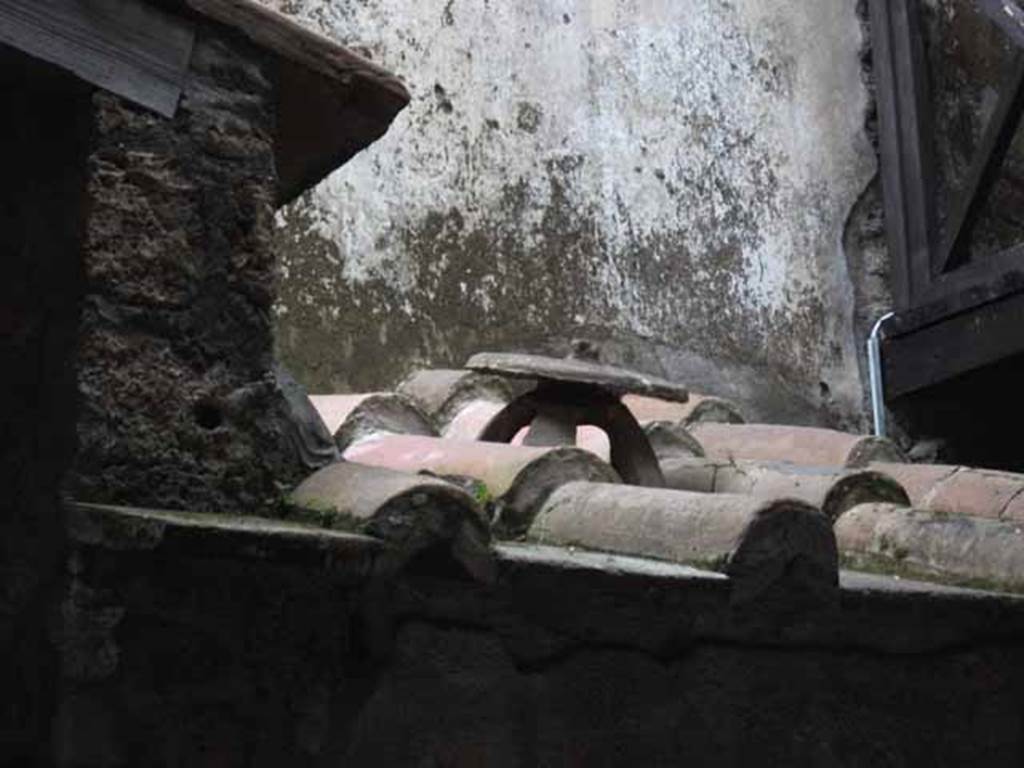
875 374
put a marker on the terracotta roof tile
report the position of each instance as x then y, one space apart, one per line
688 473
411 514
440 392
925 544
517 478
798 445
916 479
758 544
960 490
334 409
672 441
353 418
1014 509
698 409
472 419
978 492
833 490
756 505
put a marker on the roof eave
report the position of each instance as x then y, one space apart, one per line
332 103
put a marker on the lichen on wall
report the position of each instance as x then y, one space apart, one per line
671 177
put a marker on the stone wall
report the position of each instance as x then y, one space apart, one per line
188 649
672 178
43 145
179 407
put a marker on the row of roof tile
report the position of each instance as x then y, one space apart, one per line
758 502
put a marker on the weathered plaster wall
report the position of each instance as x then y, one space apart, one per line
671 176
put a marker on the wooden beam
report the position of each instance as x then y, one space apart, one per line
953 346
976 283
905 143
128 47
276 32
332 103
985 169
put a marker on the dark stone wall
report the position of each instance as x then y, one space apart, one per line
43 144
456 698
136 280
179 405
214 665
201 662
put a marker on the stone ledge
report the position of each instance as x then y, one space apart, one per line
665 608
187 534
546 600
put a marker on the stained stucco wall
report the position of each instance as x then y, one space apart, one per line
671 177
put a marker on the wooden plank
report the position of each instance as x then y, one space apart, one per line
991 270
984 171
972 285
128 47
332 103
953 346
270 29
889 150
905 143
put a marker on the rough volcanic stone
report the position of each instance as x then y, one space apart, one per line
180 407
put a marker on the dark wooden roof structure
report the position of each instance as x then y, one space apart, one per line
954 312
331 102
